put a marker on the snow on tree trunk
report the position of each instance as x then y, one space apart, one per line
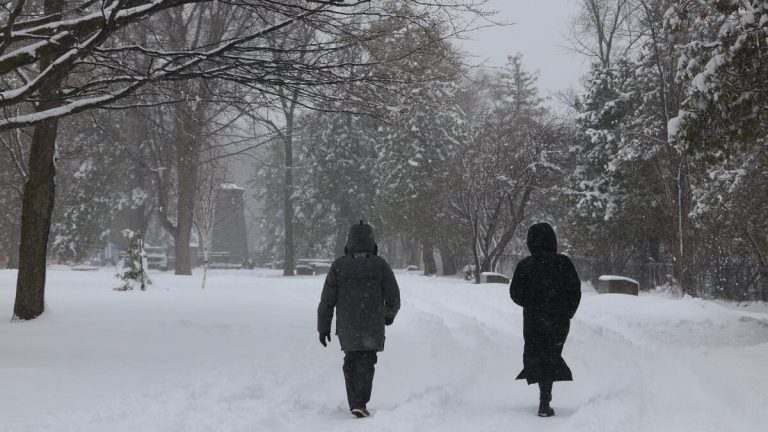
205 228
213 177
206 246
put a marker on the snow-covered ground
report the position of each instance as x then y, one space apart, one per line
243 355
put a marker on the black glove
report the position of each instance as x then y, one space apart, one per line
388 320
325 338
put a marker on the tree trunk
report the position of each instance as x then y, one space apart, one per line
485 265
188 136
183 265
342 226
341 240
37 206
206 242
38 199
187 178
449 260
687 271
428 256
413 252
476 256
288 213
683 250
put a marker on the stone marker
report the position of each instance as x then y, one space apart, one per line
321 268
608 284
229 233
490 277
87 268
304 270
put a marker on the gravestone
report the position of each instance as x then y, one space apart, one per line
321 268
85 268
304 270
229 234
609 284
490 277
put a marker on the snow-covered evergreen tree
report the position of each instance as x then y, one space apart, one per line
135 274
632 171
724 122
418 140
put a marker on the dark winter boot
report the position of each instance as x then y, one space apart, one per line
544 409
360 412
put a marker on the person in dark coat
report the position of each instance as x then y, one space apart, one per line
548 288
362 288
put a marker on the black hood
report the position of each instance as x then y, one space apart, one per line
360 239
541 238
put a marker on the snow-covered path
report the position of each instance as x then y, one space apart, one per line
243 355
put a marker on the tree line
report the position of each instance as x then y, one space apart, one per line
672 164
128 99
368 110
660 157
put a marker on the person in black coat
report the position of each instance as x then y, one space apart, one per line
361 287
548 288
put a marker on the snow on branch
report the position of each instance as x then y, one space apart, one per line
98 52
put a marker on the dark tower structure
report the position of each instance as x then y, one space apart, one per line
229 233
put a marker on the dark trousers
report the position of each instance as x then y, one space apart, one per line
545 387
358 375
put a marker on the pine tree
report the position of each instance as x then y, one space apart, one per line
134 274
418 138
338 185
723 121
632 171
724 67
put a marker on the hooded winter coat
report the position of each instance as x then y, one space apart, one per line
362 288
547 286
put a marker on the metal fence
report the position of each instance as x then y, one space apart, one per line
712 281
740 283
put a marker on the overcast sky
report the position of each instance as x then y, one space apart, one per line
539 33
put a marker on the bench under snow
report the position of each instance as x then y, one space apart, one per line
610 284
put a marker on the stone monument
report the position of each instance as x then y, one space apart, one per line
229 235
608 284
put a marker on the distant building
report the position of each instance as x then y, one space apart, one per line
230 240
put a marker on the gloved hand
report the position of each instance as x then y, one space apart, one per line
325 338
388 320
